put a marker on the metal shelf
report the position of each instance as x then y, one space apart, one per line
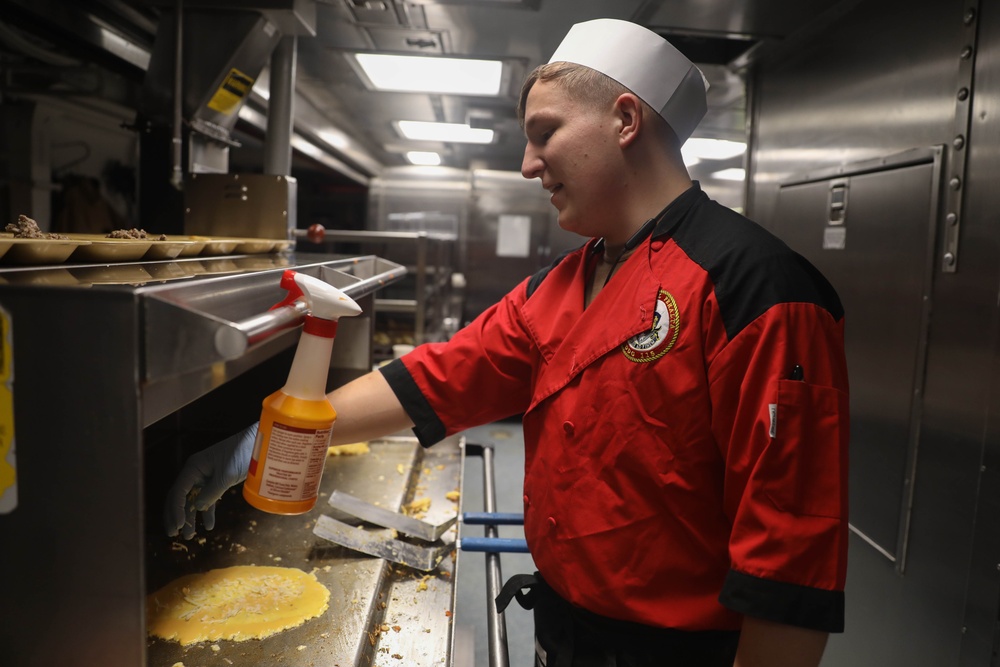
429 259
191 329
396 305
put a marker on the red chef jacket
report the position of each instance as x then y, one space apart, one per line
678 473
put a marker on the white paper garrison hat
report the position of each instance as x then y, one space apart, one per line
643 62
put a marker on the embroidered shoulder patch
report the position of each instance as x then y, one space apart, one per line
653 344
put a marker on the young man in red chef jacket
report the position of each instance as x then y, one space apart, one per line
683 384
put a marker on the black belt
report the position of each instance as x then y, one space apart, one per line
574 637
513 588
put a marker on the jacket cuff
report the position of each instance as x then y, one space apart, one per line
428 428
790 604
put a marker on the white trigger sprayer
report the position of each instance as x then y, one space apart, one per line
296 421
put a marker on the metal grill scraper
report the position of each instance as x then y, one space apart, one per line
380 516
380 543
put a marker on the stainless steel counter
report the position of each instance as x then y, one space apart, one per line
376 610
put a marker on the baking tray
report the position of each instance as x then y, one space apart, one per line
125 274
167 249
38 251
376 610
138 273
51 276
98 248
195 246
215 246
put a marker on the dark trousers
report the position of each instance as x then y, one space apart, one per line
569 636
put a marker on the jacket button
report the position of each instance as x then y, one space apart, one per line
552 522
568 428
526 501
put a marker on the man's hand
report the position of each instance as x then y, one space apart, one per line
768 644
205 477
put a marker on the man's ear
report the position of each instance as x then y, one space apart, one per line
628 109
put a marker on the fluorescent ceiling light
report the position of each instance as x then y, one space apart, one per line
334 137
261 88
454 132
424 158
255 118
733 174
712 149
307 147
422 74
124 49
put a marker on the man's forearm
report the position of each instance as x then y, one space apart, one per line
768 644
366 409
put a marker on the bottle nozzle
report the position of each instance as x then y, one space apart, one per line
324 301
294 291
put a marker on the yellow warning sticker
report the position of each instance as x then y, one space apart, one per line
8 466
229 96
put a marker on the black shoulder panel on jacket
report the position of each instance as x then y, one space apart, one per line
536 280
752 269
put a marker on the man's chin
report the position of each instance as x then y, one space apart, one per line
570 223
565 220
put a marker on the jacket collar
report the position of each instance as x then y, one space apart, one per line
665 221
675 211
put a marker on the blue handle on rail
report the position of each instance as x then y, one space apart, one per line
493 545
492 518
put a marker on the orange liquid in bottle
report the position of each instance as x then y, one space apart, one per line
291 449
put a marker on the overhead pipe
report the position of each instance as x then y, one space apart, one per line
280 109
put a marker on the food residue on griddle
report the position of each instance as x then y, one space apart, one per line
237 603
351 449
418 508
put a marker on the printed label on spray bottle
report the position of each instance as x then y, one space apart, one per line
294 464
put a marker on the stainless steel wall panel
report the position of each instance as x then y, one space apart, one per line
974 323
881 80
890 204
475 200
878 82
499 194
241 205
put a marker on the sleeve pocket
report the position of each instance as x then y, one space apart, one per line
805 465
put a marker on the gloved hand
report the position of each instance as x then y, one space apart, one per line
205 477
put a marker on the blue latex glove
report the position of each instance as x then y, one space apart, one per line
206 476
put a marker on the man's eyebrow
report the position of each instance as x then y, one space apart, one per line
534 119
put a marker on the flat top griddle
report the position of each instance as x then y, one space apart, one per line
379 613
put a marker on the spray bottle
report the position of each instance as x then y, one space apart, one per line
296 421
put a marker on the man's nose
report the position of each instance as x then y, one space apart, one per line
531 165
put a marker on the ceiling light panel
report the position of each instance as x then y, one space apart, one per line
446 132
712 149
733 174
421 74
424 158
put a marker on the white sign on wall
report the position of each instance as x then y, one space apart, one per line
514 236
